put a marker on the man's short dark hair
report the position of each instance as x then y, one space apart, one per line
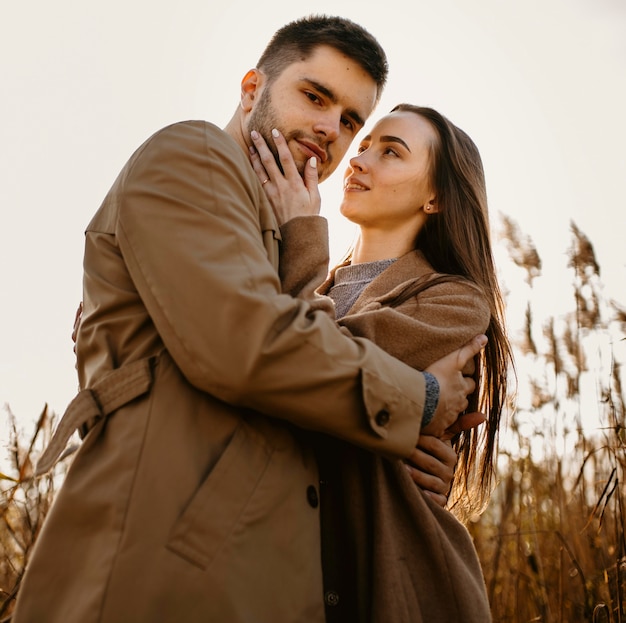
297 40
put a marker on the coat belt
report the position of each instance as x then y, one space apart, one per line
116 389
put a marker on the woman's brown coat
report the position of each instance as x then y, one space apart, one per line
413 561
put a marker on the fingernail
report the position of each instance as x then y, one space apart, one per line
313 162
275 133
252 150
254 134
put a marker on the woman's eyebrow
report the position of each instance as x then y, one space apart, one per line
394 139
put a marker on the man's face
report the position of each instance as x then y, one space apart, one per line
318 104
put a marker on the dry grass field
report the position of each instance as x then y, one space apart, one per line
552 540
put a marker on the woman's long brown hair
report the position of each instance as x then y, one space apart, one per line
456 241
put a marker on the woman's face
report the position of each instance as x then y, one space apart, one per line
388 183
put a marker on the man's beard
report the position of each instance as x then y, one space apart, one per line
264 119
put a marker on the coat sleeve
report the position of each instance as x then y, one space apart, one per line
191 235
304 258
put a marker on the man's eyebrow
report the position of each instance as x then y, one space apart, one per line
394 139
350 112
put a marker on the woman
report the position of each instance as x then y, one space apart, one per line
419 282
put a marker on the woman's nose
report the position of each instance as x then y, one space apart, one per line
357 164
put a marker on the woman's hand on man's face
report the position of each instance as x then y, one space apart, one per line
290 194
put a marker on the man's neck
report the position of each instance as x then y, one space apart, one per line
234 128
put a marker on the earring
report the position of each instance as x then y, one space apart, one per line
426 208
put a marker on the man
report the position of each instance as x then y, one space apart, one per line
193 497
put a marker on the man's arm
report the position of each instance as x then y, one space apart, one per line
191 237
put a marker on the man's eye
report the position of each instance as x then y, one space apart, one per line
312 97
347 123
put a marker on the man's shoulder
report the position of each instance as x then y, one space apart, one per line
185 141
195 136
190 125
185 130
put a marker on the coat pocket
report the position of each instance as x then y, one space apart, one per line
215 509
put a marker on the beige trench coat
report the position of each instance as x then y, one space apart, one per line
195 498
413 562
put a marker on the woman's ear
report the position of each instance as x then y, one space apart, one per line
432 207
250 86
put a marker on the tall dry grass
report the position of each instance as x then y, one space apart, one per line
24 501
552 541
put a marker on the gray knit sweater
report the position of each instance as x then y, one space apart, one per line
351 280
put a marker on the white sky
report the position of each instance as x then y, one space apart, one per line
540 85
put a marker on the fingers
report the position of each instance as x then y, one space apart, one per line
431 467
429 484
285 156
77 318
258 167
471 349
454 388
431 473
439 499
465 421
435 455
290 194
268 161
311 179
262 159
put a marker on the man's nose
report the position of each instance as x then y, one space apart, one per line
328 125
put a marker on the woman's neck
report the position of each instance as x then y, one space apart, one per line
373 246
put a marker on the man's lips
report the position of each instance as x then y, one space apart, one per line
314 150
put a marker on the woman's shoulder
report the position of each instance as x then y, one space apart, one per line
413 274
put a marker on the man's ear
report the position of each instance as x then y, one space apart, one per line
250 87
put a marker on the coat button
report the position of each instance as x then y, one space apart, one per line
331 598
311 496
382 417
